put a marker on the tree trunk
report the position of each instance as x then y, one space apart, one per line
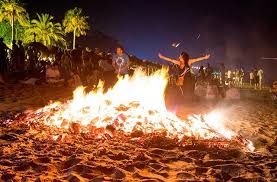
74 38
12 24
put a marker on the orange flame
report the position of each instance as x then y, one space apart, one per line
135 102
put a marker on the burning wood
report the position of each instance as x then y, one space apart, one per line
135 107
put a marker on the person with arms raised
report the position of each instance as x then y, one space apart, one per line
185 79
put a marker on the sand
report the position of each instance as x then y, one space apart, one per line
39 153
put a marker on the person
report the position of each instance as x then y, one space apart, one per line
237 77
21 57
3 60
185 80
120 62
201 73
14 56
241 75
209 72
256 79
229 77
251 77
260 75
222 74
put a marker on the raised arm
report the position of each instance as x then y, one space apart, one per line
193 60
169 59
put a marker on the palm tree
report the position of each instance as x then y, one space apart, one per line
75 22
45 31
12 11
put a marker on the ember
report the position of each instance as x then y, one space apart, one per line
135 106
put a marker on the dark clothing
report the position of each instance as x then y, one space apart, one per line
21 58
222 74
187 89
3 58
201 74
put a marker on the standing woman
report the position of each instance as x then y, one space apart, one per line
185 80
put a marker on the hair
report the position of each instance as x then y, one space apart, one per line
120 47
185 57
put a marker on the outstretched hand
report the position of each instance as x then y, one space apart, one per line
160 55
207 56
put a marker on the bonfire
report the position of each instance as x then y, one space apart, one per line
135 106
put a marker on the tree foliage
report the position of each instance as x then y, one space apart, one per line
44 30
74 20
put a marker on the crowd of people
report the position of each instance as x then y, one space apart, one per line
80 66
236 78
84 66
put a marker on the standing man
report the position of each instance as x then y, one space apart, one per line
251 75
14 56
3 60
260 75
241 75
120 62
229 76
21 57
222 74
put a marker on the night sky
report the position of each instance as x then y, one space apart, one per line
237 33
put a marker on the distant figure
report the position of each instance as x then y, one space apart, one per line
33 54
256 79
261 76
241 75
14 56
251 77
222 74
209 71
201 73
21 57
120 62
229 77
3 60
237 75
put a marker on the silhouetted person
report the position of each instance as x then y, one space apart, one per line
3 60
222 74
14 56
76 57
209 71
201 73
256 78
21 57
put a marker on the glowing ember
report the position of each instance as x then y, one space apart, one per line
134 104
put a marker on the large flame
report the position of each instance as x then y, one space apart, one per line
134 103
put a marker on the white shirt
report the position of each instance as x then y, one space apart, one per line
251 75
260 73
229 73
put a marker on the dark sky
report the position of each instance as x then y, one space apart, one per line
235 32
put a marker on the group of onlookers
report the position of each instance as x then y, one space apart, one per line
256 78
80 66
236 78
